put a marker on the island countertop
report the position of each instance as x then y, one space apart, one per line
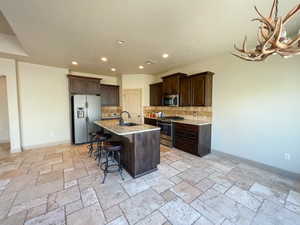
114 127
187 121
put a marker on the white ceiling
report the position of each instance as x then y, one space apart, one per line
57 32
4 26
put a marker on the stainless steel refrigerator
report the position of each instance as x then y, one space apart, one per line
85 110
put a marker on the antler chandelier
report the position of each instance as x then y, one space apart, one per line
272 37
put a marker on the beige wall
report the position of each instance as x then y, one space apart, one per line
44 105
4 121
134 81
255 108
39 95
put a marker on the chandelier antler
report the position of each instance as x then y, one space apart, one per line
272 37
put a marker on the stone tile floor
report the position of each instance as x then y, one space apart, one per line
62 186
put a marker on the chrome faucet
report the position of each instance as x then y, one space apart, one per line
121 121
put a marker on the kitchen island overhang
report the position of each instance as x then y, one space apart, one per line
140 154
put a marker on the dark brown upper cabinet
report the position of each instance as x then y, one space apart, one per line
110 95
185 91
84 85
156 94
171 84
201 89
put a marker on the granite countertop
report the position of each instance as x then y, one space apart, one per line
114 127
191 122
111 118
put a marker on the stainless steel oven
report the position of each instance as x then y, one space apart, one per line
171 100
165 132
165 124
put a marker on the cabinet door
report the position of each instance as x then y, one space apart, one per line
82 85
185 91
166 87
171 85
93 86
198 90
77 86
156 94
109 95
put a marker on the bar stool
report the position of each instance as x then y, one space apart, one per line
101 139
93 140
110 151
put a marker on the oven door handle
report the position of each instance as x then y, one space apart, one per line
164 124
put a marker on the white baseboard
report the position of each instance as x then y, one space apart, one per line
15 150
51 144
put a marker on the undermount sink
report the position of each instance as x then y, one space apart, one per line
129 124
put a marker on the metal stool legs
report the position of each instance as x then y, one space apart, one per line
110 157
91 145
106 168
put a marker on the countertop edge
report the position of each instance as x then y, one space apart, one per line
126 133
189 122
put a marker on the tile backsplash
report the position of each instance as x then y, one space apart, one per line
189 113
111 111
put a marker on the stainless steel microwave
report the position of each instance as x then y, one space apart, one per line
171 100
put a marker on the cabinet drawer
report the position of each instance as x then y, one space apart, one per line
186 145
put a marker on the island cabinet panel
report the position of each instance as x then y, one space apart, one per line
141 152
150 121
185 91
156 94
192 139
84 85
127 153
110 95
147 160
171 84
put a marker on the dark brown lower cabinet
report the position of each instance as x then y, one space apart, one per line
192 139
140 154
150 121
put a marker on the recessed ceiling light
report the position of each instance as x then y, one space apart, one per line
74 63
113 69
141 67
165 55
104 59
120 42
149 62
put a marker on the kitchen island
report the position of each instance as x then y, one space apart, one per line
141 148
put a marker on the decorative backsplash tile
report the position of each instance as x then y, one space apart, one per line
190 113
111 111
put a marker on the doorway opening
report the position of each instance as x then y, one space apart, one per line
4 119
132 102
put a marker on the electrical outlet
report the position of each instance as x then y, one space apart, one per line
51 134
287 156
